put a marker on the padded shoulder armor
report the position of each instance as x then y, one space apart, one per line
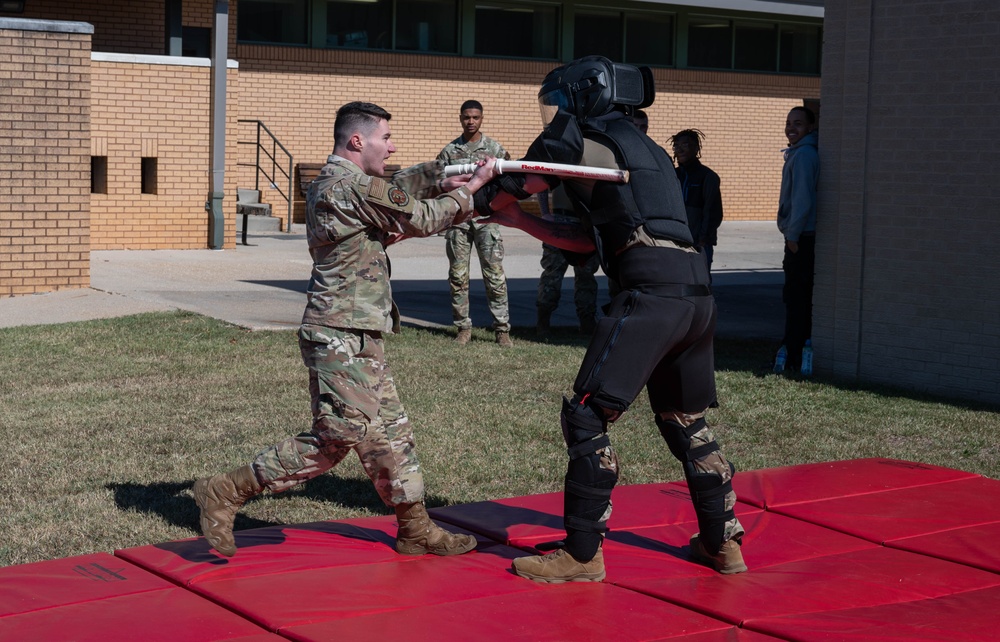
652 197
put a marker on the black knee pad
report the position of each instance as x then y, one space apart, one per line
708 490
587 493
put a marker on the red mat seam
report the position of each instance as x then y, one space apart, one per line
189 588
79 602
686 607
862 494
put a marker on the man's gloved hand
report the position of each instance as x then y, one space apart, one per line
484 196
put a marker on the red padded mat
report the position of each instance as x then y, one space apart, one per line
309 596
816 572
855 579
531 518
273 550
974 546
525 521
773 487
906 512
732 634
663 551
963 616
72 580
166 615
546 613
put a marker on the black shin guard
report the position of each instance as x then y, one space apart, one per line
709 478
589 484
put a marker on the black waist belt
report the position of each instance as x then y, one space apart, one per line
674 290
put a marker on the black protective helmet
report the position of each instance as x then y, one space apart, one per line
593 86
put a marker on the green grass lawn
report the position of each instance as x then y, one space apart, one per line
106 424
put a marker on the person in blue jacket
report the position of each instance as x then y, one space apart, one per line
797 223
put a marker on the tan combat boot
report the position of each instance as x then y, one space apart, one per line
464 336
418 535
559 567
503 339
728 561
219 499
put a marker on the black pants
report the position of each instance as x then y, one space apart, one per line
797 294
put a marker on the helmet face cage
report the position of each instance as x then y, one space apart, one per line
593 86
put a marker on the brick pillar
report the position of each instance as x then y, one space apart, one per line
44 155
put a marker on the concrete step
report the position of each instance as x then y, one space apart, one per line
258 223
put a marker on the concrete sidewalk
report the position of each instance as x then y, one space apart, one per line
261 286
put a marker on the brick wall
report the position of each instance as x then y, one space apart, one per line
129 26
157 109
123 26
44 157
296 92
907 238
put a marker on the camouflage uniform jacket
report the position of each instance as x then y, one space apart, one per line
458 152
350 218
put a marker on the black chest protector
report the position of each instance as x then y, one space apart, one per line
652 197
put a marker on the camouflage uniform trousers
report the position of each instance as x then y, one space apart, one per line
356 407
489 246
554 265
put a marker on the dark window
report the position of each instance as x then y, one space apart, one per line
517 30
359 25
278 21
800 49
427 25
649 39
756 46
196 42
149 175
98 174
597 34
710 43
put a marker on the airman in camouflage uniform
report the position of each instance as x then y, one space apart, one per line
554 265
470 147
351 216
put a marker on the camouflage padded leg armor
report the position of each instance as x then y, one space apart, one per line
709 476
355 407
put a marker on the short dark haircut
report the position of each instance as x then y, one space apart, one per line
694 134
354 117
810 114
640 115
471 104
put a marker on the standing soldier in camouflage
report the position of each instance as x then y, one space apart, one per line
351 216
470 147
554 265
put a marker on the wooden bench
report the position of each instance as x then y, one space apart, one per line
307 173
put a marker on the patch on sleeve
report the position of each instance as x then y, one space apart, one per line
398 196
377 187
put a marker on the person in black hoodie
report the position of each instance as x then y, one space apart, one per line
700 189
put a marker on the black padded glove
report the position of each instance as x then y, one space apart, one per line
485 196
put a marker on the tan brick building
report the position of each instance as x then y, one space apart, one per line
146 120
907 291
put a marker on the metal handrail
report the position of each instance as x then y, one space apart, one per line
272 156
